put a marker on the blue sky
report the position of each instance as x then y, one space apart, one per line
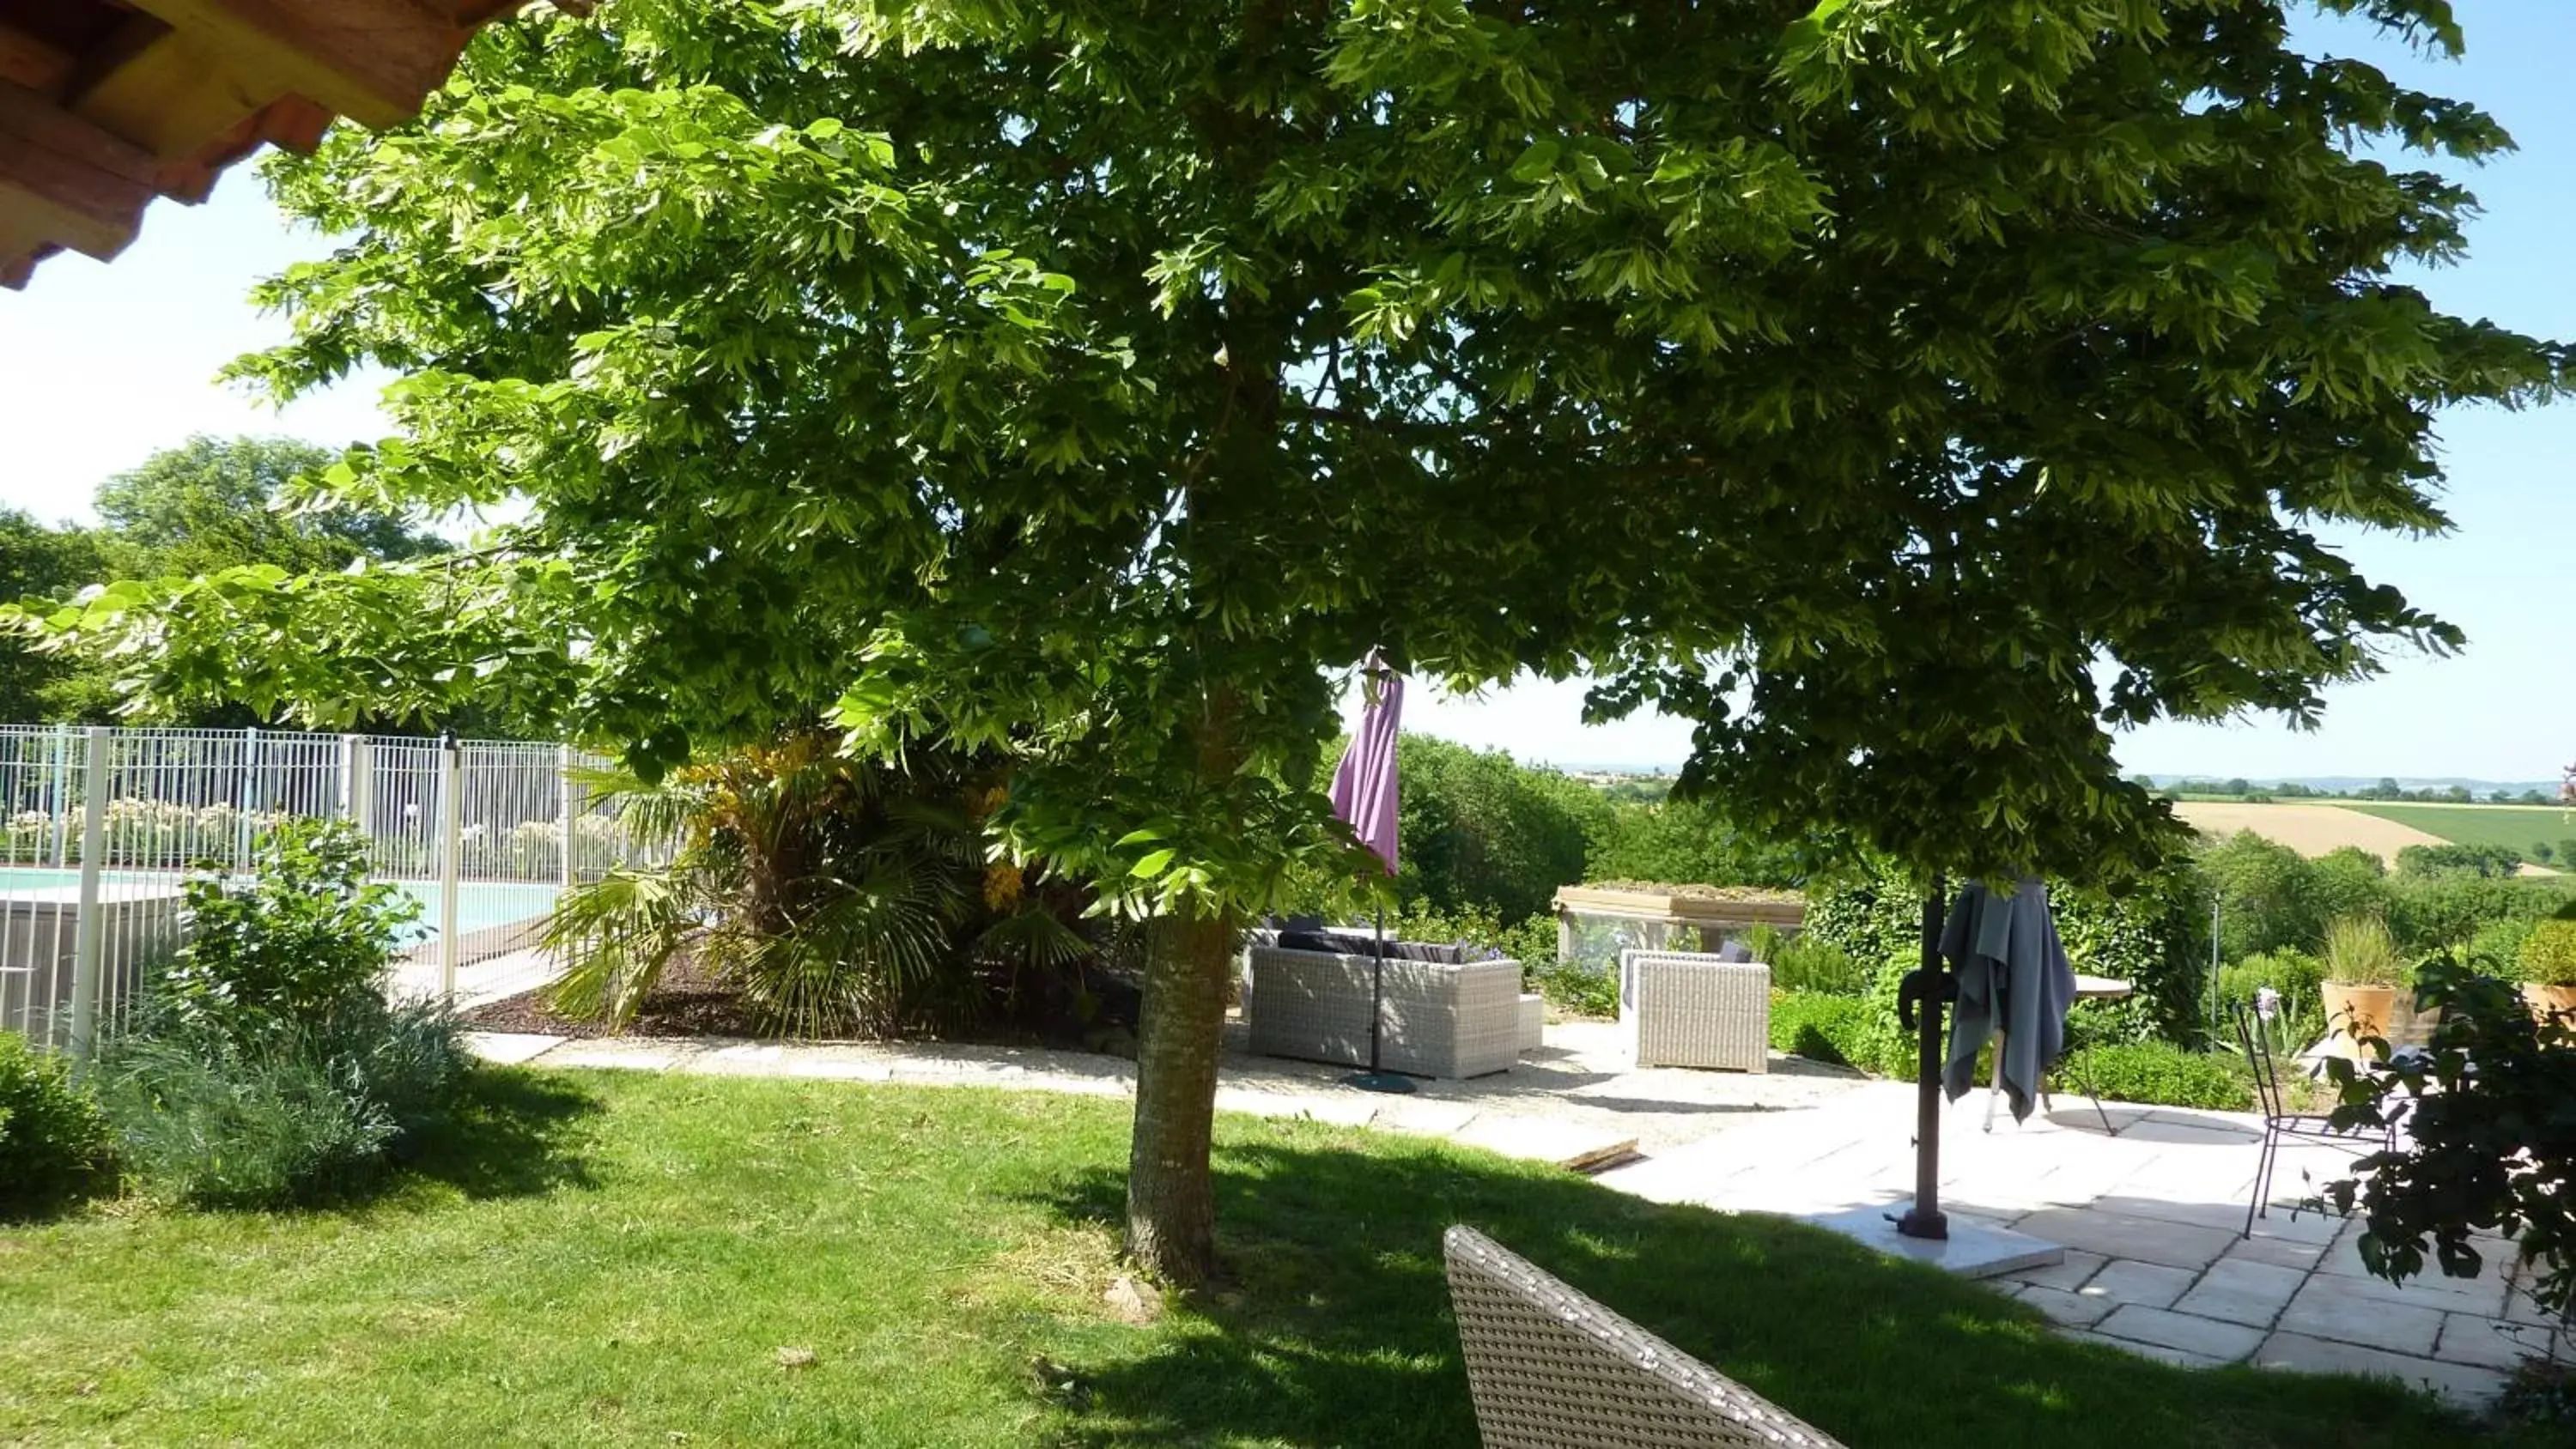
102 364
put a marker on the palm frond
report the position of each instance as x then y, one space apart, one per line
1033 936
615 937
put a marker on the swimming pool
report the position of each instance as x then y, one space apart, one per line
480 905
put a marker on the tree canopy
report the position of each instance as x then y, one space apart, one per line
216 503
203 507
1909 392
37 563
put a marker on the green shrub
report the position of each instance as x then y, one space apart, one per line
302 931
213 1123
2496 949
303 1112
1837 1029
1577 989
2548 956
1480 831
1851 1031
2158 1073
1686 842
55 1145
2496 861
2298 1009
1805 962
2442 912
2154 937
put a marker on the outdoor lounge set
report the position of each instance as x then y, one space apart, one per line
1451 1011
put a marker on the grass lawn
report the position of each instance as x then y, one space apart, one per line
617 1259
2516 827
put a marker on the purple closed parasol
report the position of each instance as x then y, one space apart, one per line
1364 796
1364 790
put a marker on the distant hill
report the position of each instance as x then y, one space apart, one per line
2339 784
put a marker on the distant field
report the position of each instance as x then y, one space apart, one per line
2311 830
2517 827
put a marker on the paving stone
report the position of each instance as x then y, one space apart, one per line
2464 1384
2066 1276
2292 1224
2182 1358
2240 1291
2518 1308
2207 1337
2126 1235
2484 1294
2071 1310
2150 1285
2489 1342
820 1064
2225 1216
2158 1128
2341 1309
616 1055
2280 1252
510 1048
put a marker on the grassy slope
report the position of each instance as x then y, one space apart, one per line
2516 827
610 1259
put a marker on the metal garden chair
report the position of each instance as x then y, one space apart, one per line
2281 1124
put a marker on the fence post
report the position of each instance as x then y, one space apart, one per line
571 807
89 939
451 851
242 832
62 811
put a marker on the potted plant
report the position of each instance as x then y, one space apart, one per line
2548 963
2362 971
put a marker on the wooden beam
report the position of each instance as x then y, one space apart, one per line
373 61
30 62
291 122
72 181
173 95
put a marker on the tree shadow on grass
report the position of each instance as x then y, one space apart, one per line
1334 1327
512 1133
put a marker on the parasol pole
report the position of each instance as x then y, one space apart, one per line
1926 989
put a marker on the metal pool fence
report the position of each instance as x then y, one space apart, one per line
99 826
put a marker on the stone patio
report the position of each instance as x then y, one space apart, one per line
2150 1213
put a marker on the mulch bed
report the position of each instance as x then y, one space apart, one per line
687 1002
690 1001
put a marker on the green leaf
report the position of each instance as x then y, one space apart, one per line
1152 865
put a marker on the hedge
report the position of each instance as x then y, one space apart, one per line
1862 1032
2155 937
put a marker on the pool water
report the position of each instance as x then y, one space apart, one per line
479 904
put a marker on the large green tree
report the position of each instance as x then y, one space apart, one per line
216 503
37 563
1910 392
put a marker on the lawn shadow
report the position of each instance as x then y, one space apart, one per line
511 1134
1333 1323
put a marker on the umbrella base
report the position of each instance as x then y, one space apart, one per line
1379 1082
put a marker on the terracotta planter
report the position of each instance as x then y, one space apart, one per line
2547 999
2354 1011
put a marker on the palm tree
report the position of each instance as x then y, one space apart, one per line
837 895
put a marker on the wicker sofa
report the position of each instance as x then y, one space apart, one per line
1688 1009
1439 1018
1551 1369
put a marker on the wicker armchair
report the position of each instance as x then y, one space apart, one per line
1551 1369
1686 1009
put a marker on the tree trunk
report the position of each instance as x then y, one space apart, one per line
1171 1194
